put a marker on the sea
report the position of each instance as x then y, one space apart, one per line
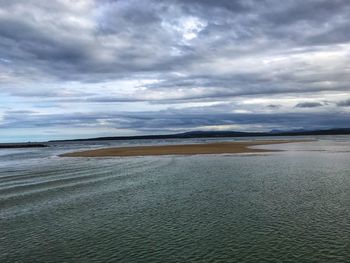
291 205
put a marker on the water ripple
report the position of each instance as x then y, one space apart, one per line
291 207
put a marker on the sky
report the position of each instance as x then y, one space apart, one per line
85 68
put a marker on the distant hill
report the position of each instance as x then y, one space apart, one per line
219 134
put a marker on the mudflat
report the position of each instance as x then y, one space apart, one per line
183 149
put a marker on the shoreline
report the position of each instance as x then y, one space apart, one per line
183 149
22 145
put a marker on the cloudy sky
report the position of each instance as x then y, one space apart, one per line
84 68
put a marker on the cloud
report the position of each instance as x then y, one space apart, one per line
308 105
273 106
141 58
344 103
174 119
95 41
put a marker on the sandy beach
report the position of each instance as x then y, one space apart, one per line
184 149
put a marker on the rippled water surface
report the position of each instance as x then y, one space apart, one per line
289 206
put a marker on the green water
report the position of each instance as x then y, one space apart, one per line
292 206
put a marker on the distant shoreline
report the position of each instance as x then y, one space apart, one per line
183 149
214 134
21 145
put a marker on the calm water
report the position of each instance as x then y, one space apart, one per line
291 206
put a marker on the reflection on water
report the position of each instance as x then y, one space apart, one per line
290 206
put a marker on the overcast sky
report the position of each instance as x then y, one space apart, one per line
84 68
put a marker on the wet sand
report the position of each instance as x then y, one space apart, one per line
183 149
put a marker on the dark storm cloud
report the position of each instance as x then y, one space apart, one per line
308 105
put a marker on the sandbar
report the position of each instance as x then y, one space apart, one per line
183 149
